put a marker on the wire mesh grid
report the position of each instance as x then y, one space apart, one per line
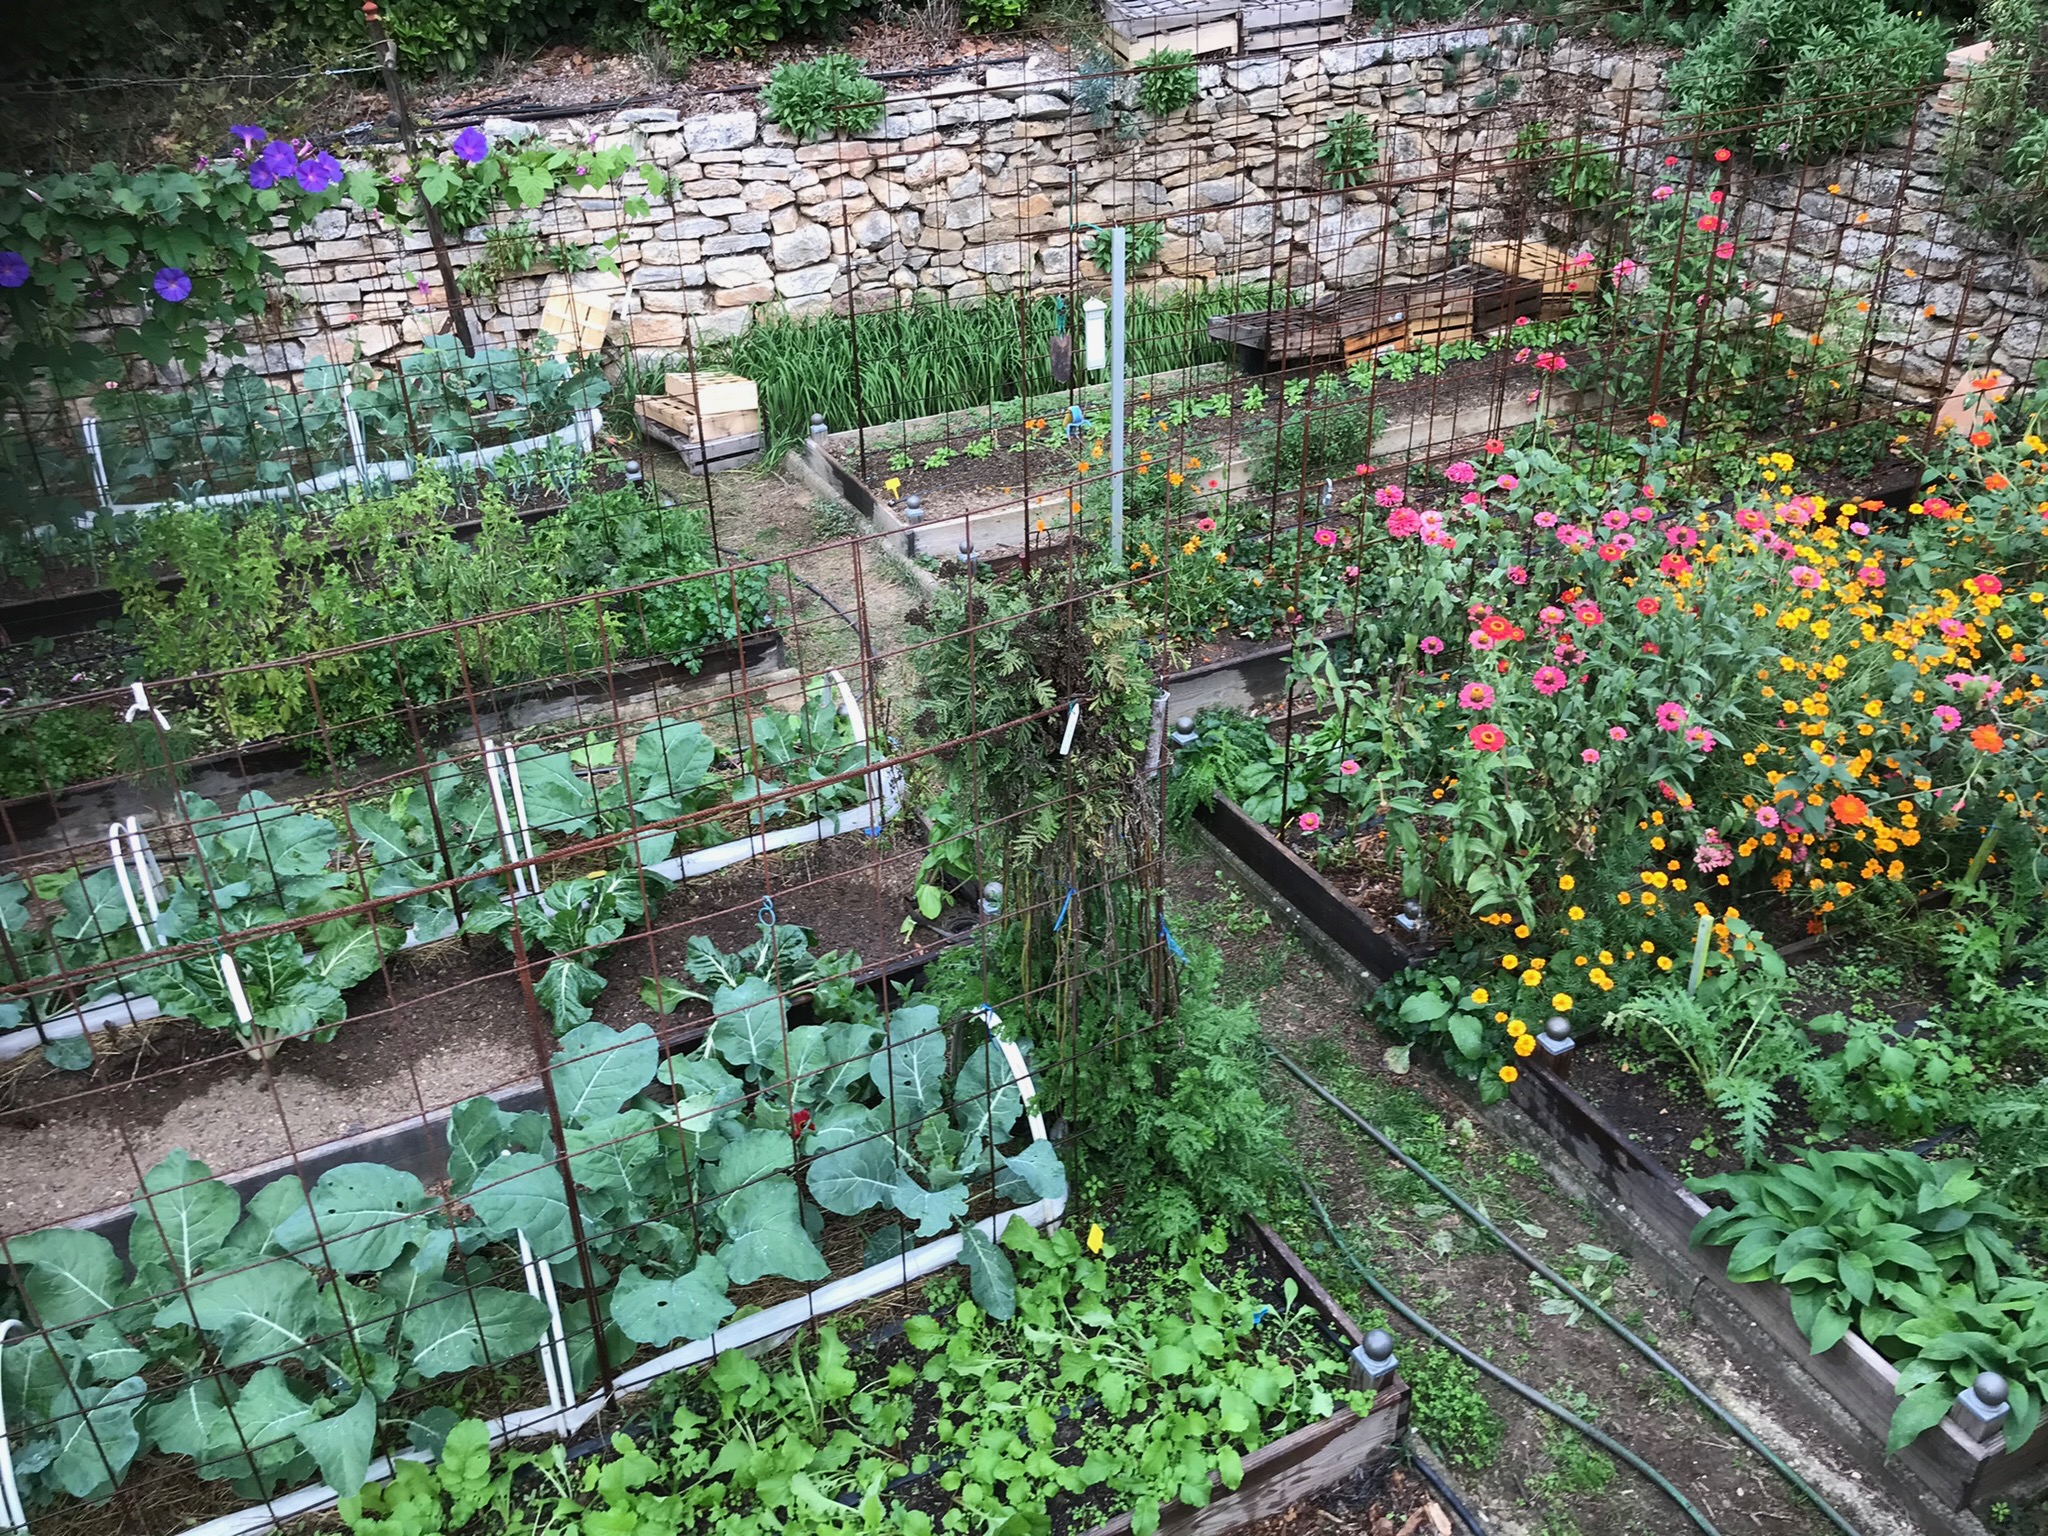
489 951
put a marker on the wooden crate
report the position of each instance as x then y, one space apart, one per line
1132 19
714 394
577 311
1293 24
1540 263
677 416
665 422
1210 37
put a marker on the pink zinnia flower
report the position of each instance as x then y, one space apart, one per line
1725 249
1701 737
1507 482
1672 566
1590 755
1460 473
1805 577
1947 717
1326 537
1589 614
1431 646
1310 821
1404 522
1475 696
1479 640
1871 576
1348 767
1623 269
1389 495
1680 536
1709 223
1616 733
1659 194
1546 519
1519 575
1205 525
1551 617
1611 552
1614 518
1985 586
1548 680
1767 817
1670 716
1753 520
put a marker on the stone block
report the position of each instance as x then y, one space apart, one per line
720 130
737 271
807 280
734 245
802 246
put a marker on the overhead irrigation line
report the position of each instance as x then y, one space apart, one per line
1621 1330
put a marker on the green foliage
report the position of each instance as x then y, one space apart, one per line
94 243
1142 244
1913 1254
1450 1411
1907 1085
822 97
1349 151
1998 145
1167 82
1172 1111
928 356
1803 79
995 15
696 27
1118 1384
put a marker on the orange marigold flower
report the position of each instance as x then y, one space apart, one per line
1849 811
1986 739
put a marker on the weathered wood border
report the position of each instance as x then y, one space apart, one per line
1860 1381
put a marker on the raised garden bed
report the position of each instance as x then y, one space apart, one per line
1959 1471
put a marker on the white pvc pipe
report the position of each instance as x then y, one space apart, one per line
12 1516
582 433
120 859
781 1319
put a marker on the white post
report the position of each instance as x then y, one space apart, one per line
356 450
1116 394
90 427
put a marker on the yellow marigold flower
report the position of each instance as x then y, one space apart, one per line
1576 914
1517 1028
1508 1074
1525 1045
1532 977
1566 883
1509 962
1480 996
1561 1001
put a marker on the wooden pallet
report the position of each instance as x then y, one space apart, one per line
1140 28
1462 302
1293 24
717 454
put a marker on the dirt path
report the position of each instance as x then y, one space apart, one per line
1524 1473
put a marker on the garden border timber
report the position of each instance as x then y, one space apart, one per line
1852 1379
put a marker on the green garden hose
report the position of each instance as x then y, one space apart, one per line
1520 1388
1621 1330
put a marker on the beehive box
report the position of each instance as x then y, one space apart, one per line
577 311
1271 27
1140 28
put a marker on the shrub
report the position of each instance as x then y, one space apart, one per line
814 98
1801 79
1349 151
1168 82
1999 146
994 15
1142 244
696 27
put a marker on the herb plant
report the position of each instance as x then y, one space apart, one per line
1349 151
818 98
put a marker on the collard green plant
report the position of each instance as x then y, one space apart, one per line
822 97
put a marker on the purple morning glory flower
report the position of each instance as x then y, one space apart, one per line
319 172
278 159
261 179
13 269
248 133
173 285
471 145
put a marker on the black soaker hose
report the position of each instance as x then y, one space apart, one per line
1621 1330
1521 1389
1445 1492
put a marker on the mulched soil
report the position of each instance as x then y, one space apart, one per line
1381 1499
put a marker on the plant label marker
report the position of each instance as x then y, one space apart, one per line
1073 719
236 996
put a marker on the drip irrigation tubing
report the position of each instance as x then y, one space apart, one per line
1522 1389
1443 1489
1614 1325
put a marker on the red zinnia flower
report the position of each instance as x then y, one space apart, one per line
1487 738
